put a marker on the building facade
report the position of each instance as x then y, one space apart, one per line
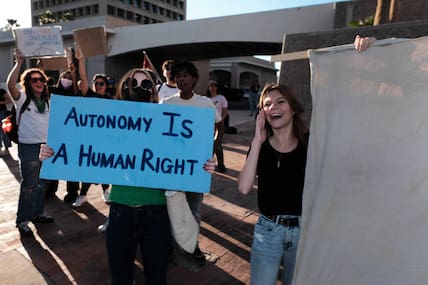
116 12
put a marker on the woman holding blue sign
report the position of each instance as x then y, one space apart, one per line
98 90
33 98
138 216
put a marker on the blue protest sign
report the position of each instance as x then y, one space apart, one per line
129 143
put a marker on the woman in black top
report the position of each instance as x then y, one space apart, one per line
278 157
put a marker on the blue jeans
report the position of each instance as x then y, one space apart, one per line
4 139
146 227
273 245
32 191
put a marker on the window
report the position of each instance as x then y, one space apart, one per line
121 13
111 10
95 9
129 15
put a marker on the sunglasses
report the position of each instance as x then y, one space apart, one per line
145 84
37 79
100 83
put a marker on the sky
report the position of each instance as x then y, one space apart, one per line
196 9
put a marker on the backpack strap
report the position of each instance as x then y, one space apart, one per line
160 86
23 108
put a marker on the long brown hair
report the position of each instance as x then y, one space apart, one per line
300 128
26 85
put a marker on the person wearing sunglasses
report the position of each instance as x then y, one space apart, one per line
167 88
66 85
98 90
32 97
138 216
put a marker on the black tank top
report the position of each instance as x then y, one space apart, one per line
280 180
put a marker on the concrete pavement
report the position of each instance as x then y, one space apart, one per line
71 251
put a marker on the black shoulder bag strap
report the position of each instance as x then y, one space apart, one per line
23 108
160 86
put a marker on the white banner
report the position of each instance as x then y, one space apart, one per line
365 213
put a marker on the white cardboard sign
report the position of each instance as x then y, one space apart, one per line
38 42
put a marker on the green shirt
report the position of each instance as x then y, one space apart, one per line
137 196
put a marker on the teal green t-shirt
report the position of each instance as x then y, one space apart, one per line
137 196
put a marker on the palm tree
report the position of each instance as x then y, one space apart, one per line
393 12
11 24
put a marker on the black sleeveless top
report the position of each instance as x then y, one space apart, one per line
280 180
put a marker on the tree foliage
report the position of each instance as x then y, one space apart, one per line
11 24
368 21
49 18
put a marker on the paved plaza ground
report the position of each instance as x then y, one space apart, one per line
71 251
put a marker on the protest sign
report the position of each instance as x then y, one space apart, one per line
43 41
129 143
91 41
53 63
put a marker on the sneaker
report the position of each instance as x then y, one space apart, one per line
79 201
192 261
24 229
106 196
102 228
44 219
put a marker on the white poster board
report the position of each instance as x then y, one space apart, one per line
39 42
